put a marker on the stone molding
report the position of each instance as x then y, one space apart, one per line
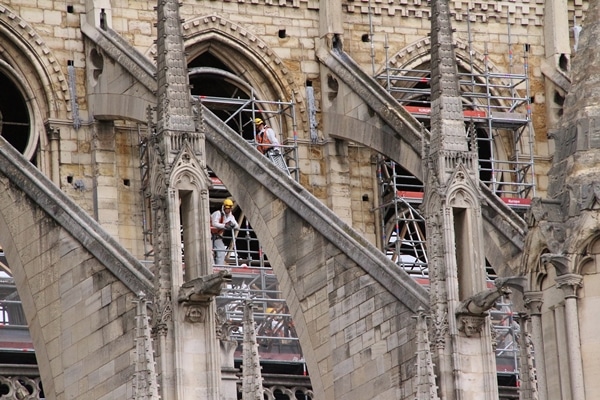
477 11
569 283
195 26
311 4
42 57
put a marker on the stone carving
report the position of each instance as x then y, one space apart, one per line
165 316
480 303
470 325
590 196
225 327
204 288
559 261
441 327
494 336
195 313
20 387
472 312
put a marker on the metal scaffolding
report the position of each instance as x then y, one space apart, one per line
497 112
403 227
253 279
252 276
242 112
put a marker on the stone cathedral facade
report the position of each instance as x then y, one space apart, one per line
436 160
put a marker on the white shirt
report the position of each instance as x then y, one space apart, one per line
215 219
270 135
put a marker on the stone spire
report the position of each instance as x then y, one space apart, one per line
447 121
454 230
184 317
174 100
252 388
426 387
145 382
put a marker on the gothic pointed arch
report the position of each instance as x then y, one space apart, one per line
419 52
539 274
186 168
237 50
587 259
414 60
461 191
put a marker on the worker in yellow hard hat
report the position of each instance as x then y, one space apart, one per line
220 221
265 137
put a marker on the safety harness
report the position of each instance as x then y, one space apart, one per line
264 141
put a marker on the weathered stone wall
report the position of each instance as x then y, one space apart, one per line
76 284
132 216
95 162
395 26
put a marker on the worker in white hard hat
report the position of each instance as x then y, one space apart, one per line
220 221
265 137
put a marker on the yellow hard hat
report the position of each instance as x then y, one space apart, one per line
258 121
228 203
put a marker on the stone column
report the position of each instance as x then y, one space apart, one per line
54 138
533 302
98 13
105 177
330 18
569 283
229 378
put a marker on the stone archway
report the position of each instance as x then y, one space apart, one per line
473 65
327 272
27 52
247 56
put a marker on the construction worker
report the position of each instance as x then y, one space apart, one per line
266 138
221 220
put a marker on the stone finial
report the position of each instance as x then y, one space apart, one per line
447 120
174 112
252 388
426 386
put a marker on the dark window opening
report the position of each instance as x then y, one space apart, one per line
15 125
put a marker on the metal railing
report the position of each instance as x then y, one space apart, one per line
278 114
